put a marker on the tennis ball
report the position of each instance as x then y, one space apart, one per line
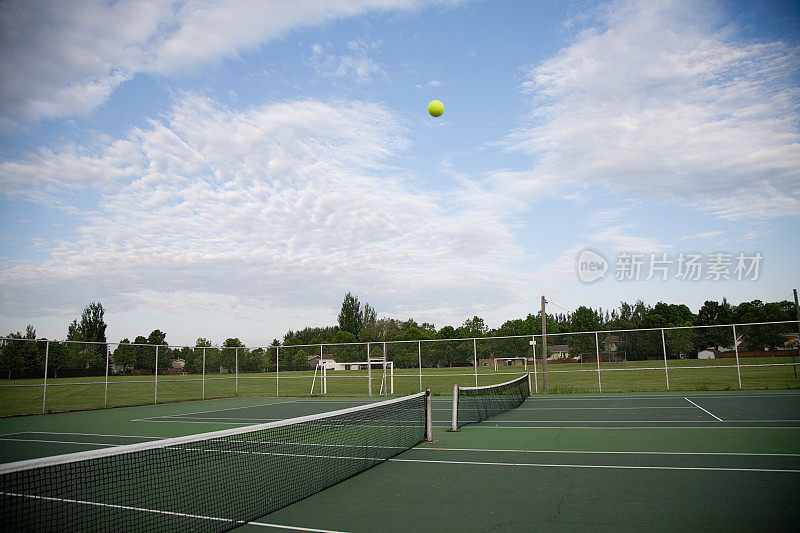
436 108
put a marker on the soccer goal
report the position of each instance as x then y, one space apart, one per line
509 361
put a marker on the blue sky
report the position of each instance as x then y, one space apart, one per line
232 169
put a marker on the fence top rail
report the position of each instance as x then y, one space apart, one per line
465 339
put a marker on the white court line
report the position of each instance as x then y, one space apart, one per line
593 452
184 421
705 410
497 421
778 394
124 507
293 528
232 408
60 442
472 427
576 408
170 513
85 434
611 467
179 418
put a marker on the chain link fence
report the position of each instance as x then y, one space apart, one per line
38 375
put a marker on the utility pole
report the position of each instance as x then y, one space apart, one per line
544 346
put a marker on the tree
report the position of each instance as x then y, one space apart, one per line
91 357
231 352
157 337
125 355
584 319
712 314
351 317
15 355
474 327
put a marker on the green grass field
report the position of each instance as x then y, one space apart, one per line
25 396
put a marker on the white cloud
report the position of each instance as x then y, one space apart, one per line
659 100
702 235
57 62
356 65
294 201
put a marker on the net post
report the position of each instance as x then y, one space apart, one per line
44 384
454 422
530 387
428 416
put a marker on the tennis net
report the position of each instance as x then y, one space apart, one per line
475 404
209 482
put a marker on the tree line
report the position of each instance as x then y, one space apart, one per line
359 323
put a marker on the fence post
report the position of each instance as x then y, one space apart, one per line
204 373
419 354
597 350
475 356
108 358
369 371
535 375
664 347
236 371
155 373
277 372
736 349
44 388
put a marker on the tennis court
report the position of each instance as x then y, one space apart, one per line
701 461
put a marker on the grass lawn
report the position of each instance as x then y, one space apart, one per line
25 396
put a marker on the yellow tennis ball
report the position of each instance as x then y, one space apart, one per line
436 108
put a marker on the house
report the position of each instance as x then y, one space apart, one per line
329 363
611 347
558 351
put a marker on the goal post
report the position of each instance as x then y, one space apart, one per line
509 359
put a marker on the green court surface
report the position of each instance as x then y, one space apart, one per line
699 461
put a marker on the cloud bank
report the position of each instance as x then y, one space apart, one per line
295 201
57 62
661 100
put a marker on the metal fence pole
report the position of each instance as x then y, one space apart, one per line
204 373
369 372
597 351
108 358
736 349
155 373
419 354
44 388
277 372
236 371
535 374
475 356
664 347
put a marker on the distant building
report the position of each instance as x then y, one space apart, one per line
558 351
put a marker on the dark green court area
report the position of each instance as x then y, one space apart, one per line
700 461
